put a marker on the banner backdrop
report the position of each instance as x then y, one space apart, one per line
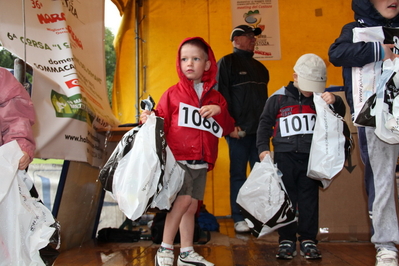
63 42
262 14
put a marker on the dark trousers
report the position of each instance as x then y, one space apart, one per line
241 151
304 194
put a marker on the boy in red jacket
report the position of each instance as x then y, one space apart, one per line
195 116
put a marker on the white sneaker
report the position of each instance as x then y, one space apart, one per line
164 257
193 258
241 227
386 257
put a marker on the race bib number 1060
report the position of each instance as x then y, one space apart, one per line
189 116
297 124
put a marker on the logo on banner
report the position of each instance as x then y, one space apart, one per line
72 83
259 14
50 18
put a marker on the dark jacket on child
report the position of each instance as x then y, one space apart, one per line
284 102
361 53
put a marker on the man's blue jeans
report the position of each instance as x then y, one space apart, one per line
241 151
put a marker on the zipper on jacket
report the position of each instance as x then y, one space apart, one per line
201 133
300 111
300 101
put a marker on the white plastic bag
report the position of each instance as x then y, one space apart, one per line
107 172
172 181
387 103
126 143
265 203
138 173
25 223
365 79
327 151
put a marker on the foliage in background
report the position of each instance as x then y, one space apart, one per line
6 58
7 61
110 61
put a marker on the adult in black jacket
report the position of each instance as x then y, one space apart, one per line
242 80
379 158
291 142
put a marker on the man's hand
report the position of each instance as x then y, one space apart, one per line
234 133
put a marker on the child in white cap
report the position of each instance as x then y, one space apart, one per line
287 120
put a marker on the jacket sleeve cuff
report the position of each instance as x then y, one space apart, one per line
381 53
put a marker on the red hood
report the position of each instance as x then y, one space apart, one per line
209 77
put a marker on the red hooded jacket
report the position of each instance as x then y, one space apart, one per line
189 143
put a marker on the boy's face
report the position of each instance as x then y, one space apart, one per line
193 62
307 94
387 8
304 93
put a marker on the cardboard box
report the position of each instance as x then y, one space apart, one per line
343 205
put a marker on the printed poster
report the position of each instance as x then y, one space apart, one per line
263 14
63 42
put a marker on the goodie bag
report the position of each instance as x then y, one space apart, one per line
387 103
138 175
327 151
263 199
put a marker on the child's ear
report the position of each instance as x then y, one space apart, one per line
295 77
207 65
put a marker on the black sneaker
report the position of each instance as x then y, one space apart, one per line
286 250
309 250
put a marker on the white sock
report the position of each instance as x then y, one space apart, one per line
167 246
186 249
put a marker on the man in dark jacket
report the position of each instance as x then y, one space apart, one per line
380 158
242 80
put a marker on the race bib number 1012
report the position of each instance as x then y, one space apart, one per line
297 124
189 116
